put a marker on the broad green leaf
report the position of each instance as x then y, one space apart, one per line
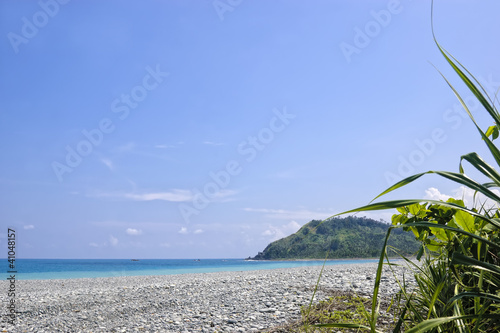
456 202
434 248
415 232
492 131
440 234
402 210
427 224
415 209
465 221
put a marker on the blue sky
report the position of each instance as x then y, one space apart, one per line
207 129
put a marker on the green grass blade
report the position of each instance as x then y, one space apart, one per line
316 287
475 160
399 323
429 324
456 177
464 180
378 277
471 84
399 184
345 326
461 259
493 149
435 296
491 297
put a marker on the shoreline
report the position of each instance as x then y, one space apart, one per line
247 265
328 260
245 301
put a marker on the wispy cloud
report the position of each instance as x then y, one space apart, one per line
302 214
211 143
108 163
290 173
133 232
113 240
28 227
198 231
175 195
224 196
164 146
127 147
183 231
308 215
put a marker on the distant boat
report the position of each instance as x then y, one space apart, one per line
197 260
134 259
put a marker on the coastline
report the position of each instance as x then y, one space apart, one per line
329 260
42 269
242 301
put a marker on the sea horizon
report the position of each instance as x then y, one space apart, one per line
48 269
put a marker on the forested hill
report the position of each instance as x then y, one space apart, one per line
349 237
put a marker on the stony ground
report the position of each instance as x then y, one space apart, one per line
210 302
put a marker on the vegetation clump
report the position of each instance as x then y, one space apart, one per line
458 273
341 307
349 237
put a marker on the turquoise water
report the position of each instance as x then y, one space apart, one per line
36 269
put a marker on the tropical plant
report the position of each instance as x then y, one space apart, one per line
458 267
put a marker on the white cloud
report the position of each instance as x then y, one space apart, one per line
127 147
94 244
278 232
113 240
303 214
183 231
224 195
469 196
108 163
175 195
133 232
28 227
268 233
308 215
198 231
164 146
433 193
211 143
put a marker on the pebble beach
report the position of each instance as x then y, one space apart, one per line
250 301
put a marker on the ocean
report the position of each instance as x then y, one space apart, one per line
41 269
